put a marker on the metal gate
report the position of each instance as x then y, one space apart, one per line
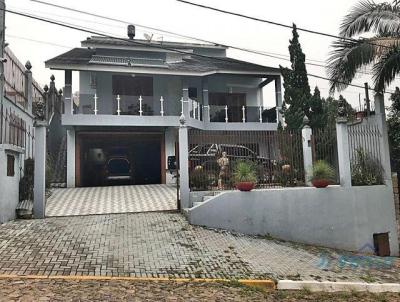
277 157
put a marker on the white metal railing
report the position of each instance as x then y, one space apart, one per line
143 106
140 108
234 114
195 109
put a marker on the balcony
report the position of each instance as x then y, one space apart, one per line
123 110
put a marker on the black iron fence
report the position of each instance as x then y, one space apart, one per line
14 131
365 154
276 157
324 147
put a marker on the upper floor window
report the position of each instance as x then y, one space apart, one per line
132 85
193 93
10 165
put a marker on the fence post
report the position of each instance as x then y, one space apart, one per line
343 151
39 196
39 189
384 139
71 158
28 85
184 164
306 133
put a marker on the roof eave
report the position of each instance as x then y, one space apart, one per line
150 70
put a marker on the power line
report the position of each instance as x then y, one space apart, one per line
83 29
37 41
258 52
263 53
310 31
120 21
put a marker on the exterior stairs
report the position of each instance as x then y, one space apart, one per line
198 198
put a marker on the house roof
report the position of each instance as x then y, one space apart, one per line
98 40
86 59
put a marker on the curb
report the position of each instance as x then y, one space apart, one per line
328 286
264 284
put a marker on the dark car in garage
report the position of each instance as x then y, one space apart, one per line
118 170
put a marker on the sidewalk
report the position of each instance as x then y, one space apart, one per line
165 245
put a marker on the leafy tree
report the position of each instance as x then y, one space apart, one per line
394 129
331 110
297 89
318 113
381 49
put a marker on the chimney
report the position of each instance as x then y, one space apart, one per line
131 31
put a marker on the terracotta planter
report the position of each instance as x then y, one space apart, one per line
320 183
245 186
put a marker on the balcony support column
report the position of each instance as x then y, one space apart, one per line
68 102
206 105
185 99
278 98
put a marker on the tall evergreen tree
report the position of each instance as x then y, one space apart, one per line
394 129
318 113
297 89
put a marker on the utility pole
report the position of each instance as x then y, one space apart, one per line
367 99
2 44
2 77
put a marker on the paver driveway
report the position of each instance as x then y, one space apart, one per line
160 245
110 200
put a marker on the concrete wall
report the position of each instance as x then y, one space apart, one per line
9 185
336 217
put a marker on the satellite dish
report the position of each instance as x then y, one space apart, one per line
148 37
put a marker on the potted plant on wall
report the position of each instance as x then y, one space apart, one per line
245 175
322 174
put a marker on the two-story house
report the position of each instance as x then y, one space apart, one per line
132 93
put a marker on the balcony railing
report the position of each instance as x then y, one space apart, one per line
126 105
150 106
242 114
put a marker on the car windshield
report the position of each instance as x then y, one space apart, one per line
200 149
237 150
118 166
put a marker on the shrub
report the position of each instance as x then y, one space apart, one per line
49 171
322 170
365 170
201 179
245 171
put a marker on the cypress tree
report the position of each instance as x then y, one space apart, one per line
297 89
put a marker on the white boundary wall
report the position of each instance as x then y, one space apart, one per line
337 217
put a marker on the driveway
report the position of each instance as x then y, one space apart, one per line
164 245
110 200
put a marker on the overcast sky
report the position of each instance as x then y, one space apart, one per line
184 19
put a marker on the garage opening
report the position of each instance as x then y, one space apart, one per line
115 158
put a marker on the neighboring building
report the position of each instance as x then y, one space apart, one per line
16 130
133 92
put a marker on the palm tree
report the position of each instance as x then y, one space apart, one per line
381 48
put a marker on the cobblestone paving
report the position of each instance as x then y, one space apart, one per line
162 245
111 200
67 290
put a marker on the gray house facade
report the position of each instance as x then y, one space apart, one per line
132 94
